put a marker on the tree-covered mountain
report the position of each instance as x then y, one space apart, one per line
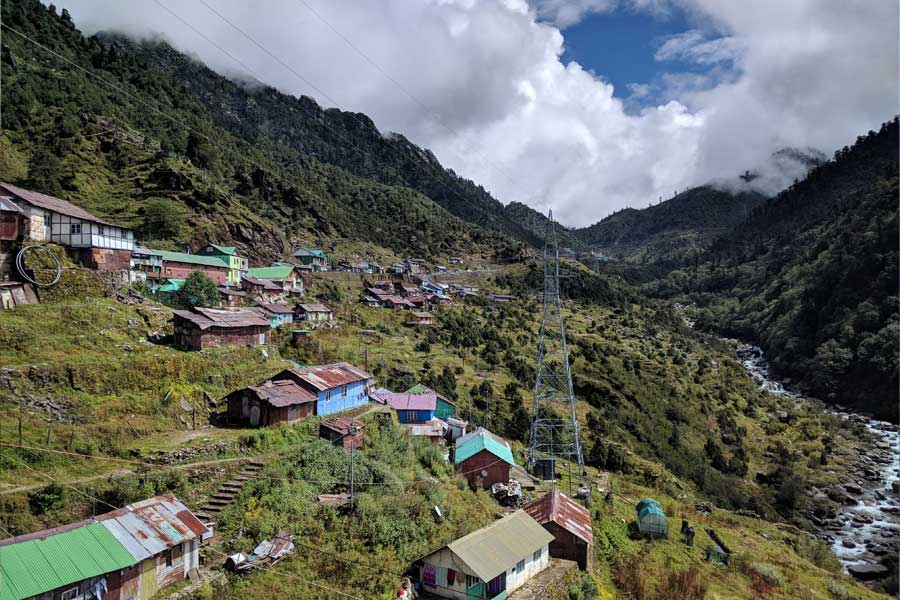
673 229
118 125
812 276
538 225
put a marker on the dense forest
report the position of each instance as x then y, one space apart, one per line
812 276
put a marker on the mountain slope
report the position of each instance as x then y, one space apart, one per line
226 154
672 229
813 277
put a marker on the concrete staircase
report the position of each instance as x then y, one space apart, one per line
227 492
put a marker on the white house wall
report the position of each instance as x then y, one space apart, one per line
78 233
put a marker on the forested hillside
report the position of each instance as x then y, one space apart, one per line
144 135
673 230
812 276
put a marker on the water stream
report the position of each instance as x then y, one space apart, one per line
867 527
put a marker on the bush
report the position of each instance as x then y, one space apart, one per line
46 499
817 552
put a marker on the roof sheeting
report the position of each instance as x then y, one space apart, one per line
53 204
342 425
313 308
191 259
496 548
266 284
471 444
565 512
273 272
277 309
326 377
404 401
228 250
205 318
43 564
309 252
284 392
152 526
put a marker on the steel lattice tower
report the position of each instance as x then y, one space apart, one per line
554 426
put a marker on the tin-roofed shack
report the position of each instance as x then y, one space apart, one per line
201 328
270 403
481 456
338 387
313 313
343 431
570 525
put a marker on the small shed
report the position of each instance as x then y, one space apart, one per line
435 430
201 328
651 519
343 431
570 524
313 313
232 297
421 319
271 402
277 314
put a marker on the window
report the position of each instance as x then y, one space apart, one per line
520 566
343 390
327 395
471 581
75 228
537 555
168 556
69 594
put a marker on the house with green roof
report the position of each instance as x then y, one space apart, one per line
311 257
483 458
178 265
237 265
65 565
285 276
491 562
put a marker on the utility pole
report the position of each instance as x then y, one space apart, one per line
554 426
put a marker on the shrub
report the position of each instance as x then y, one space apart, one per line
682 585
46 499
817 552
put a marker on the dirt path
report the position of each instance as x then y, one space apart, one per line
125 472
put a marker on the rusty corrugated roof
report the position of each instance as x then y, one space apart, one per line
152 526
565 512
52 203
204 318
284 392
342 425
313 308
326 377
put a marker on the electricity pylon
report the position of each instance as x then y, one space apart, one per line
554 425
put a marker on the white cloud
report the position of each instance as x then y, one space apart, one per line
496 104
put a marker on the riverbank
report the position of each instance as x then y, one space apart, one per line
860 517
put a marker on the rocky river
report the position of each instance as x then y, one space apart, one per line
864 531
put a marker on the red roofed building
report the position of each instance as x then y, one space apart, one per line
570 524
343 431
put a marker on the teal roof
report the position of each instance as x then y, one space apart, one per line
229 250
418 389
483 441
647 502
274 272
36 566
193 259
316 252
171 285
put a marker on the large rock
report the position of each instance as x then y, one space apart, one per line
868 571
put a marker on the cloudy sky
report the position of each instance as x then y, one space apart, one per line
582 106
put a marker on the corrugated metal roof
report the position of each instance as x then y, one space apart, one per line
422 389
281 393
152 526
326 377
472 443
313 308
229 250
278 309
7 205
266 284
565 512
273 272
191 259
204 318
432 428
54 204
491 550
43 564
405 401
342 425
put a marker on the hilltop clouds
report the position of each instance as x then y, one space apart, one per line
481 83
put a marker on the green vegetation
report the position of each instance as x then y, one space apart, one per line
198 290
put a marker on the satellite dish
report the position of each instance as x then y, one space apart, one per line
484 473
353 430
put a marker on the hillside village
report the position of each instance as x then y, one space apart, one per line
254 348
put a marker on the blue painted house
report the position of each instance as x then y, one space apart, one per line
410 408
338 387
277 314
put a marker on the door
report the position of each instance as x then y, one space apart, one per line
262 339
254 415
148 577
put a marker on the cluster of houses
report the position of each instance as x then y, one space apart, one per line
126 554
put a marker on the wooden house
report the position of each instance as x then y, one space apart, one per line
483 458
338 387
270 403
313 313
286 276
397 303
146 264
277 314
96 243
420 319
232 297
491 562
343 431
129 553
262 289
237 265
409 408
311 257
201 328
570 524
